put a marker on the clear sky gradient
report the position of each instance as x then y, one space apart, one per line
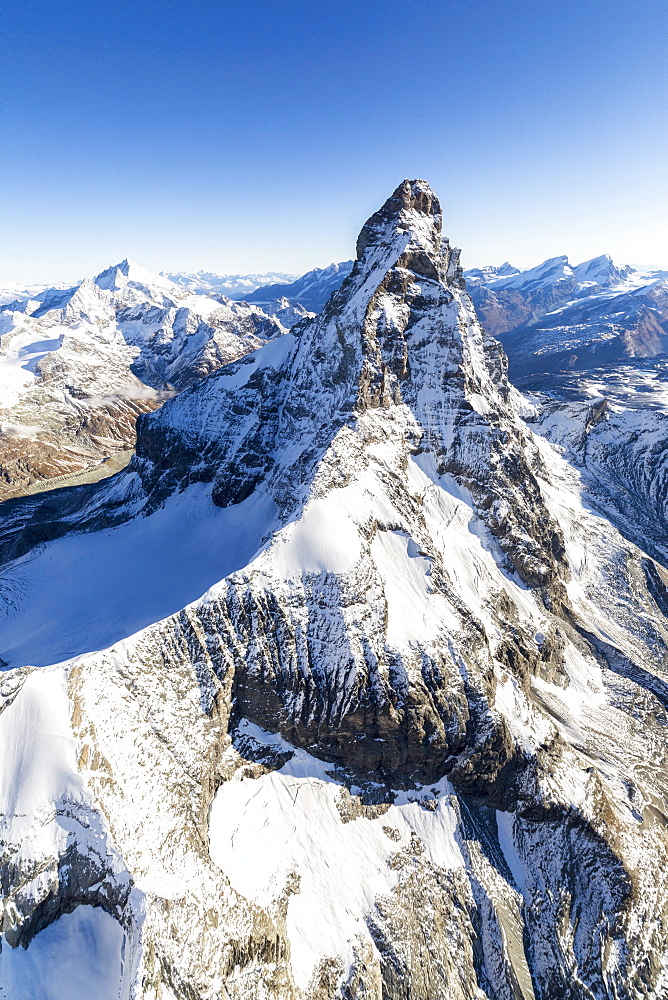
254 135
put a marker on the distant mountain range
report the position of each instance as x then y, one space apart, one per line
234 286
559 317
552 317
310 290
79 364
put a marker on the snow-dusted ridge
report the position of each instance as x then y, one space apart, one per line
411 741
78 365
563 317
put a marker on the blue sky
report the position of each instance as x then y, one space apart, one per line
259 135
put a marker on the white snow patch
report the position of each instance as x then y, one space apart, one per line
263 830
528 727
270 355
479 403
414 611
324 540
505 822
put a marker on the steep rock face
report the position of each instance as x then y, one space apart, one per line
410 741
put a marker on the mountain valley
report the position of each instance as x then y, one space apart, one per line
78 365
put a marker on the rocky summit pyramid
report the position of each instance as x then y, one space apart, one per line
340 689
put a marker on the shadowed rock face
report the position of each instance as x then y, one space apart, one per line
436 651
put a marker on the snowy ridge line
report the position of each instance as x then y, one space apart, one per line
78 365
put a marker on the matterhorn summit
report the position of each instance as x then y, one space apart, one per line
346 689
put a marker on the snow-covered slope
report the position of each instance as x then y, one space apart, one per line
406 738
612 423
557 317
78 365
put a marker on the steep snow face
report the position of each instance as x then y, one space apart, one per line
600 272
410 738
79 956
77 366
136 573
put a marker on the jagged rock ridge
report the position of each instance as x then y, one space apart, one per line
411 741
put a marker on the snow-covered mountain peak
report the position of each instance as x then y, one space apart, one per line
398 348
551 270
490 272
600 272
344 589
560 316
128 272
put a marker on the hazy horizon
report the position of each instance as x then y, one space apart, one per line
95 270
